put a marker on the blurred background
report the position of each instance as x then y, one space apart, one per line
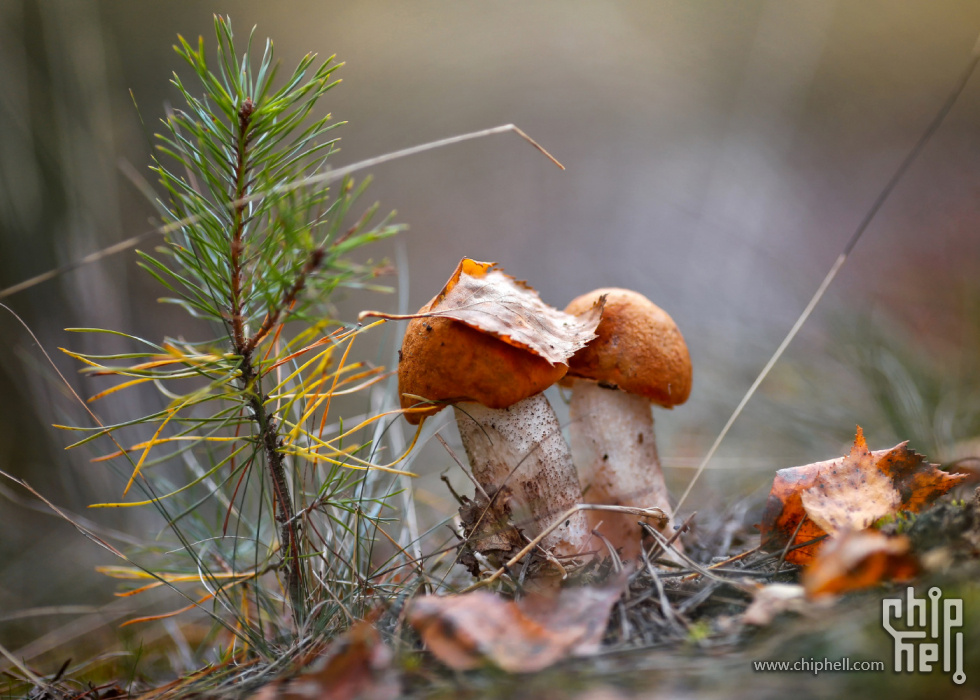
719 155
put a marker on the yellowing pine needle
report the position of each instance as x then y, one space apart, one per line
80 358
323 356
368 421
164 616
343 360
133 504
119 387
324 359
345 392
356 464
77 429
175 356
192 358
326 398
175 438
307 390
139 465
131 573
316 344
314 455
177 359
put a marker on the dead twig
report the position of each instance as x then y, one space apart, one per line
642 512
782 555
687 522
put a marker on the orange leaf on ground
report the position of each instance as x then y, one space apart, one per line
465 631
849 493
784 513
480 295
857 560
355 665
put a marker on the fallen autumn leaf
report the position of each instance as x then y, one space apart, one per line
465 631
847 493
856 560
355 665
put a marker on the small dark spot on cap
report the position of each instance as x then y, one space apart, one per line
639 438
605 458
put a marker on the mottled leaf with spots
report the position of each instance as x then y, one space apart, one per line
846 494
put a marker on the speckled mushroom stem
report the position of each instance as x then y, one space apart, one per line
522 447
616 454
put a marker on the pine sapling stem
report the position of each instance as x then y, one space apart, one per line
238 224
244 346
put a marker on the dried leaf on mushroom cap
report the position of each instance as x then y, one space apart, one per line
482 296
487 338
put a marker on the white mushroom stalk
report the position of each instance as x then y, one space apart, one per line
615 451
640 354
522 447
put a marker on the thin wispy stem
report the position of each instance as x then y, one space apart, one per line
876 206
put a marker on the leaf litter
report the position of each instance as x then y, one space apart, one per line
466 631
355 665
670 602
817 544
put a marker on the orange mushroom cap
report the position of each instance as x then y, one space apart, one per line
639 348
446 360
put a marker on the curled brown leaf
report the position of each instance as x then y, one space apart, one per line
467 630
355 665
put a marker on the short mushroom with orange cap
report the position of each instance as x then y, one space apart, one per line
494 380
638 358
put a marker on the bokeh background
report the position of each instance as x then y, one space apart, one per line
719 155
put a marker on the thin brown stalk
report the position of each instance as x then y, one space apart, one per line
272 318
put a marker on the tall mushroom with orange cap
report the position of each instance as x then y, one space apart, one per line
639 357
489 346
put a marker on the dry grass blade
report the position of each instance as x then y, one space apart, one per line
85 531
28 674
323 178
462 466
883 196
